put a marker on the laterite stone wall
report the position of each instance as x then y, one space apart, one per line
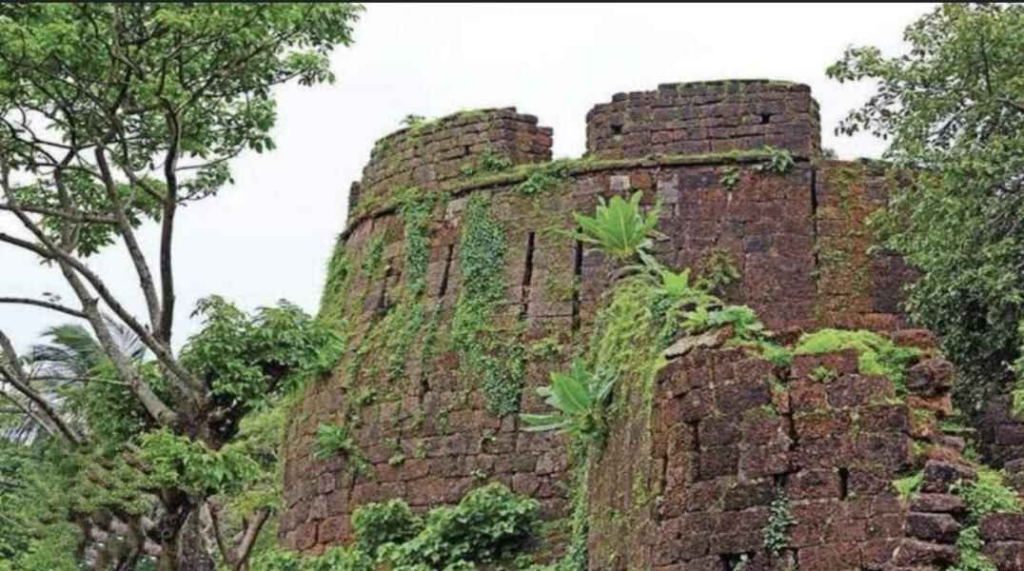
706 117
688 480
422 417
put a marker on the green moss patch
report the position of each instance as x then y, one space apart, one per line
878 356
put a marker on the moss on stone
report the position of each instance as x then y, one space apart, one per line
878 356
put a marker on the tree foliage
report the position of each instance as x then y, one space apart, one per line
112 118
952 109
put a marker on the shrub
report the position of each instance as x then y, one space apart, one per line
746 326
909 485
580 398
619 228
681 289
780 161
488 524
388 522
545 176
987 495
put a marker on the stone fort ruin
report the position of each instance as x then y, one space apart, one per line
461 290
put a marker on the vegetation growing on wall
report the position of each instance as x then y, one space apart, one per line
491 524
878 356
479 334
619 228
775 535
986 495
775 161
336 440
333 306
646 311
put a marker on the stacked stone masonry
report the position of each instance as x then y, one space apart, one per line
798 239
429 153
708 117
729 433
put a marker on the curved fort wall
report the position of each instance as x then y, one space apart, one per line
438 358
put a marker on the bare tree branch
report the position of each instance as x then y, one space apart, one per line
48 250
12 372
128 235
73 216
236 557
45 304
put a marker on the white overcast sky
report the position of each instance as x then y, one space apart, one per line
269 236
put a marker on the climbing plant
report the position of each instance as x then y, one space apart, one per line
486 354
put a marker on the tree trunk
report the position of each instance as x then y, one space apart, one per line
186 548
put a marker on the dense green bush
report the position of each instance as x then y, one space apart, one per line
490 524
380 523
951 105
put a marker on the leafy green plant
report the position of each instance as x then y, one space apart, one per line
489 162
776 354
775 535
580 397
619 228
493 161
986 495
730 177
970 544
718 269
744 321
680 289
779 161
908 485
177 462
336 440
490 523
389 522
546 176
823 374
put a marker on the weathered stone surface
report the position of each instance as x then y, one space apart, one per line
915 553
938 503
1003 527
938 528
939 476
1005 555
728 432
930 377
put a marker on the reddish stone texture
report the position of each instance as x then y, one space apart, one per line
1004 540
706 117
694 491
426 433
426 156
1001 435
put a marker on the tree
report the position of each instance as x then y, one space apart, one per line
952 109
112 117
